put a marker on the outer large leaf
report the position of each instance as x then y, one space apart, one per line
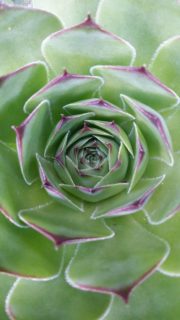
144 23
157 298
166 198
14 192
117 265
28 27
64 225
137 83
54 300
15 89
85 45
169 231
165 63
5 285
26 253
57 92
71 11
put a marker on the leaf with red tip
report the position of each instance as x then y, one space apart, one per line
83 46
95 194
154 129
156 298
64 89
31 138
66 123
140 161
15 89
119 264
63 225
128 203
51 183
135 82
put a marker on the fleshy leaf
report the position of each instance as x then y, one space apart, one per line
102 109
118 264
21 246
168 231
54 300
51 183
66 123
57 92
71 11
173 122
156 298
118 171
15 89
83 46
141 158
135 82
128 203
153 128
114 130
15 194
95 194
144 24
31 137
6 283
63 225
166 199
17 23
165 63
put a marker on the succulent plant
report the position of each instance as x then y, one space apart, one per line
89 160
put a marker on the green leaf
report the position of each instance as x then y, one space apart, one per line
31 137
165 63
174 128
153 128
117 265
70 12
168 231
128 203
140 161
156 298
137 83
15 89
57 92
54 300
6 283
28 27
83 46
63 225
65 124
26 253
102 109
111 127
51 183
166 197
15 194
153 22
95 194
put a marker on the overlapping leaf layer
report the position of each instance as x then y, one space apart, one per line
89 162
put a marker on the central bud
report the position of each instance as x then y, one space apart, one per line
92 157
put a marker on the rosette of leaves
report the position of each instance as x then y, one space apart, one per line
89 160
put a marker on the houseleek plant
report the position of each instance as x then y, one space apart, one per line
89 160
